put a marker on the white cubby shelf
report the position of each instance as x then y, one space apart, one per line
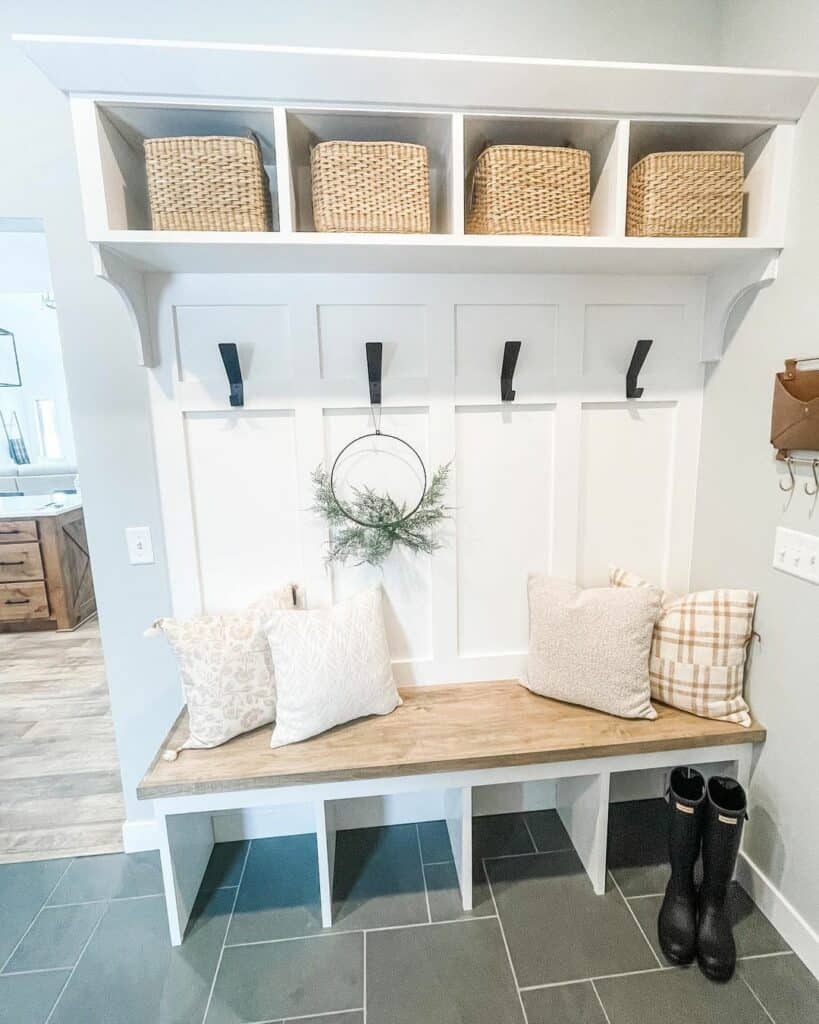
123 91
110 137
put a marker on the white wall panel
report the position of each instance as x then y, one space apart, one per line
626 458
406 577
611 331
503 521
343 330
262 337
480 334
243 489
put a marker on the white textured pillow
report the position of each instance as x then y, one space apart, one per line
591 647
226 669
332 665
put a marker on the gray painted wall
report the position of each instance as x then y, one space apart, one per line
739 504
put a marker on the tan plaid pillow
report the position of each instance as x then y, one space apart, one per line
698 649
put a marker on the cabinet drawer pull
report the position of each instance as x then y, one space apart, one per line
21 562
19 600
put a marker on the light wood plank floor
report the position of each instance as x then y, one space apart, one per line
60 789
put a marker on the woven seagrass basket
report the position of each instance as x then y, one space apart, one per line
370 186
207 183
686 195
530 190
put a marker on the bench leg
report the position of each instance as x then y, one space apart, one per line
185 846
326 843
583 806
458 813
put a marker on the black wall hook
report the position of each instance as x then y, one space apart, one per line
511 350
375 352
638 357
230 358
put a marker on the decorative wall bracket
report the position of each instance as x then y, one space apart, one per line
375 352
233 369
728 296
130 283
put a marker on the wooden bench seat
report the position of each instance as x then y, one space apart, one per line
448 738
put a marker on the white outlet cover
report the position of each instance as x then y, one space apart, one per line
797 554
140 545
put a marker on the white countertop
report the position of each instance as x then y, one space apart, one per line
33 506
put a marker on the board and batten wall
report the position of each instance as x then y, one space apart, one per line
566 479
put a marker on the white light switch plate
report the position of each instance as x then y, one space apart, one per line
140 546
797 554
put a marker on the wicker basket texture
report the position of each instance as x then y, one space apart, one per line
207 183
370 186
530 190
686 195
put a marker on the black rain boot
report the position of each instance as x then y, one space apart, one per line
677 923
725 812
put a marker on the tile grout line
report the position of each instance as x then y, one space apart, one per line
756 997
599 1000
76 965
636 921
227 932
646 896
505 943
598 977
8 959
423 871
104 899
36 970
364 981
531 837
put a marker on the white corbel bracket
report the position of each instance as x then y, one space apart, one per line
130 284
727 298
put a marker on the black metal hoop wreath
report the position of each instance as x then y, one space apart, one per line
395 522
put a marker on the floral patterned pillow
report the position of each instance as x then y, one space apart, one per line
226 669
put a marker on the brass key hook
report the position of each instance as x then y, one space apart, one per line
813 466
789 464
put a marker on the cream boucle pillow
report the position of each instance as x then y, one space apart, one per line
699 648
332 666
226 669
591 647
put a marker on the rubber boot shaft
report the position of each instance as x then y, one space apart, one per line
677 923
724 815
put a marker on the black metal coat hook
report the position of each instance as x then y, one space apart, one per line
374 354
511 350
638 357
230 358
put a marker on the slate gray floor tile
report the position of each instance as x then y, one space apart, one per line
24 888
753 932
130 973
445 903
548 831
279 895
788 990
292 978
225 865
556 927
563 1004
448 973
28 998
110 876
678 997
434 838
56 938
497 835
378 879
638 846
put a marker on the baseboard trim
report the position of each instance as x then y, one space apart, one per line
140 835
780 912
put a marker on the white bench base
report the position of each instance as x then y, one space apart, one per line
186 830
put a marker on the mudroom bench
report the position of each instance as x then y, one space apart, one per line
449 739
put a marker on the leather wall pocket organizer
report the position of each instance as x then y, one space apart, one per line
795 414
